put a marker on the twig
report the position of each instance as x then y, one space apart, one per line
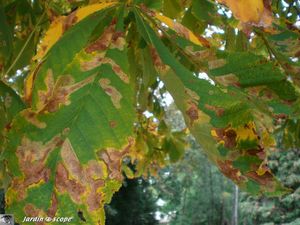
24 46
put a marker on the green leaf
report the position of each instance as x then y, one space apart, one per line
10 105
172 8
192 23
203 10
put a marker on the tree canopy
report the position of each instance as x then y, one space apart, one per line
78 79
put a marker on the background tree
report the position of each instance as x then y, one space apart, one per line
133 204
280 210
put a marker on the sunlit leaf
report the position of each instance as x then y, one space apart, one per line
255 12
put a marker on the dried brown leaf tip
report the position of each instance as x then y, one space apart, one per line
59 91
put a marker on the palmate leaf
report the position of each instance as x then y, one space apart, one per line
64 153
225 118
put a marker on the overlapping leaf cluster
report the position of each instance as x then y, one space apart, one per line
97 72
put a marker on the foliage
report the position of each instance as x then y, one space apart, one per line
97 70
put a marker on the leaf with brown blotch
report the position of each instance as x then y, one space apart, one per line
69 146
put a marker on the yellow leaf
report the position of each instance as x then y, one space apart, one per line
61 24
250 11
178 28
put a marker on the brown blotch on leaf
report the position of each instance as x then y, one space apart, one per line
215 64
69 21
81 180
195 97
118 41
32 117
113 159
192 113
229 137
218 110
95 199
32 158
54 205
94 174
103 42
32 211
181 30
111 91
71 186
229 171
58 92
259 151
71 161
99 60
266 179
93 63
113 124
158 63
228 79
